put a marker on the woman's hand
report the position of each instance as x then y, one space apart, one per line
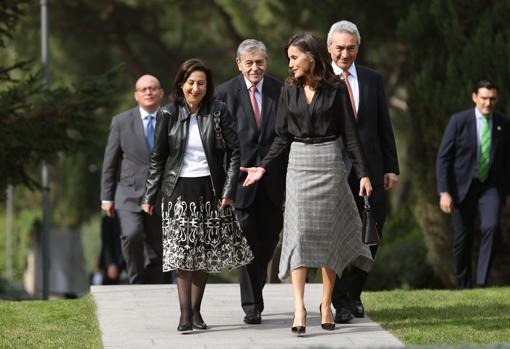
226 202
148 208
254 174
365 187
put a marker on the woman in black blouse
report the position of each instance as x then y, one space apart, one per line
322 227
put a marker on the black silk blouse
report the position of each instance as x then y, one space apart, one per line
329 114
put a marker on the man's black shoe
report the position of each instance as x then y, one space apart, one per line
253 318
343 315
357 308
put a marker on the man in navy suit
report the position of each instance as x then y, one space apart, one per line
252 98
378 143
473 174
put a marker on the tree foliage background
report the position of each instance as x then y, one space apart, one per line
429 52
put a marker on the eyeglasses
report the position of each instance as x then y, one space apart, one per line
148 89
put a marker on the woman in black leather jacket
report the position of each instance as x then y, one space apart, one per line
195 164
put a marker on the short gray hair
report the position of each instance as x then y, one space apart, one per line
344 27
249 46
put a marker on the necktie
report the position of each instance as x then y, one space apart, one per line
255 105
345 74
149 132
485 147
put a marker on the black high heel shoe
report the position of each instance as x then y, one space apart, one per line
198 322
185 328
185 325
328 326
299 330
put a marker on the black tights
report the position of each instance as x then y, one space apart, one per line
190 286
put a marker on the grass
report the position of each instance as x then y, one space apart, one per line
49 324
441 317
436 318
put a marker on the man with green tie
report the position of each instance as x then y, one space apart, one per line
473 171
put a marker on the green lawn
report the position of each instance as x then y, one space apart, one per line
49 324
426 317
434 318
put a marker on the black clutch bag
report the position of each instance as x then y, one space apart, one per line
369 234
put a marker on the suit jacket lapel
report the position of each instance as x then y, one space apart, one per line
362 90
266 107
137 127
497 127
473 135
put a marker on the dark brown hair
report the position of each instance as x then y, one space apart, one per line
489 85
185 70
314 47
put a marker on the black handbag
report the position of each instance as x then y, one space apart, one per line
369 234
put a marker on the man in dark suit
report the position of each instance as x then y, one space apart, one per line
125 168
378 143
252 98
473 174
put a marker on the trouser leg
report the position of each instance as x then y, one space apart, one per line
489 207
132 243
462 219
153 248
261 224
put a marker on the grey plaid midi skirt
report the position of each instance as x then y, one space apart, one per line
322 226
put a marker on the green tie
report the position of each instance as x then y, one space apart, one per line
485 148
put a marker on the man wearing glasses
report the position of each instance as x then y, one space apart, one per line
125 168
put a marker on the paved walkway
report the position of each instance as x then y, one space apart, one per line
147 317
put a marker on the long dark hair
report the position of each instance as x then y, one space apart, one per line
315 48
185 70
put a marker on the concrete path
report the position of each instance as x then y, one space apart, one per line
146 316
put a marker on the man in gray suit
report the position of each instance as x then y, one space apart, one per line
125 168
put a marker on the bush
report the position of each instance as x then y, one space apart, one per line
401 261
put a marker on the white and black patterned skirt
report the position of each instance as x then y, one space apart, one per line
197 234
